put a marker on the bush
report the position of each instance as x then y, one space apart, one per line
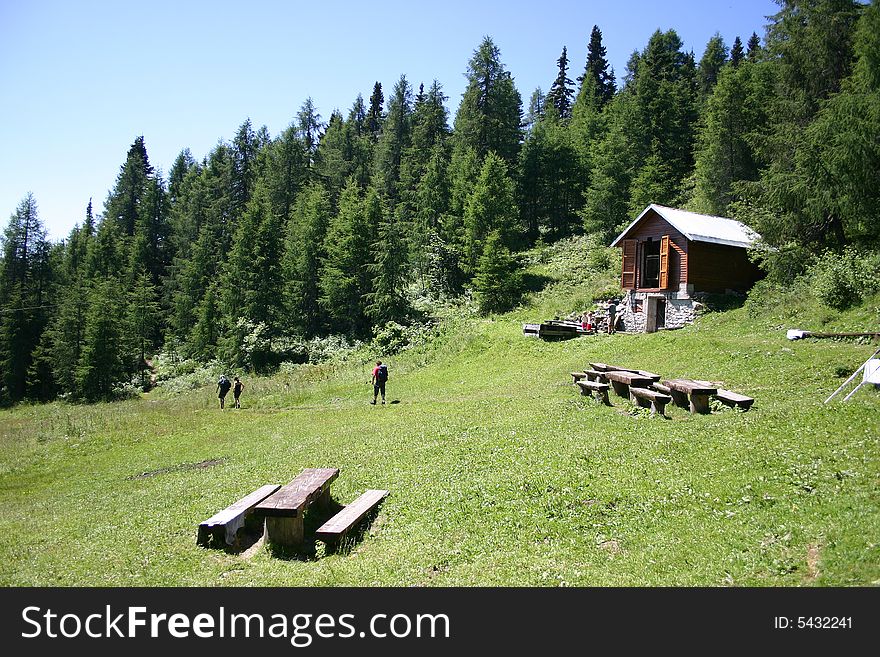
842 280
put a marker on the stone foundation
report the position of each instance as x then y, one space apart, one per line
680 309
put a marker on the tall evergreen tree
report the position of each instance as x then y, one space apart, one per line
754 49
714 58
490 114
736 53
498 281
101 367
490 207
394 141
375 115
597 86
24 285
304 253
345 280
131 185
561 94
387 301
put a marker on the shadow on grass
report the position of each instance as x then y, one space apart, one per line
534 282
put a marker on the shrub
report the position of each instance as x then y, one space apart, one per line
842 280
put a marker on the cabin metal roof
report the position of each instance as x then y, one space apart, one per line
699 227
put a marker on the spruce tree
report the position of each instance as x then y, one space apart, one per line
304 253
498 282
375 115
489 116
387 301
131 184
736 53
753 51
561 94
394 141
597 86
714 58
345 279
490 207
101 366
25 276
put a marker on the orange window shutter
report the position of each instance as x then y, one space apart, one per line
628 278
664 262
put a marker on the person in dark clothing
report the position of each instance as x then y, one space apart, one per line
223 386
237 387
380 376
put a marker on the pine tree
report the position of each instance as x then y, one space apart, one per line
131 185
597 86
253 268
754 49
490 114
304 253
345 280
498 282
394 141
736 117
714 58
309 126
736 53
245 152
536 110
142 325
663 129
490 207
25 276
561 94
375 116
387 301
101 367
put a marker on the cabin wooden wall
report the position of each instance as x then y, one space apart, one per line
716 268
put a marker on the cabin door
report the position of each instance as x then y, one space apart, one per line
655 314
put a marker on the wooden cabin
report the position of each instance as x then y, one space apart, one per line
669 255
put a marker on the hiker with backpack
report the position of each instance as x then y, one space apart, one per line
237 387
223 386
380 376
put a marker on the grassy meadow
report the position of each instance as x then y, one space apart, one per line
500 472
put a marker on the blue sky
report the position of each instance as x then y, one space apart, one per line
82 79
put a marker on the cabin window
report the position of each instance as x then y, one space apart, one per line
651 263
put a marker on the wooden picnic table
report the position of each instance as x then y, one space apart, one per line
285 508
621 381
690 394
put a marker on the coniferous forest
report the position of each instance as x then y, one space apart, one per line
340 226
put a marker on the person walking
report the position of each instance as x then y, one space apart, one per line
223 386
380 376
237 387
612 316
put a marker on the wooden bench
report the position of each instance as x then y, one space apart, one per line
285 508
690 394
659 387
605 367
334 530
623 381
733 399
647 398
577 376
226 523
601 389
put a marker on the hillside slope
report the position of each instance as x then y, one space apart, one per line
500 472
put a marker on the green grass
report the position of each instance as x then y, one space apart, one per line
500 472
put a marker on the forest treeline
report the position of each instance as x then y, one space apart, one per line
340 227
